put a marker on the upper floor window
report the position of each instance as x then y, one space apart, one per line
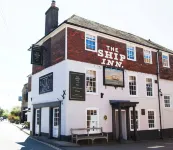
131 52
132 85
90 42
165 60
149 87
148 56
91 81
151 119
167 101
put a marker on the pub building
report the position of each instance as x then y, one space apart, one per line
92 75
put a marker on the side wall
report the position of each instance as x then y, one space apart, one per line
59 84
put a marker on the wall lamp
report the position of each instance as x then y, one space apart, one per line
160 92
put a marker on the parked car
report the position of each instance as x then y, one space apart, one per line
1 118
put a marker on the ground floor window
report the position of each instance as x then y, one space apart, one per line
92 118
151 119
131 119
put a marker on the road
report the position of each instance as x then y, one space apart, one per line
12 138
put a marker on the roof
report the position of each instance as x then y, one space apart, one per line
82 22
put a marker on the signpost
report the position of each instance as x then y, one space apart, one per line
77 86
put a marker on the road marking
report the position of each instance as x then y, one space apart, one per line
155 146
56 148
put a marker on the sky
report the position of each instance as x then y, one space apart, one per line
22 23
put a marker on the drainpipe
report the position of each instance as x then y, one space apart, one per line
158 76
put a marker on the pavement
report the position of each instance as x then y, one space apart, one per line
11 138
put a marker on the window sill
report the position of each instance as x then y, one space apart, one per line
152 128
166 66
133 95
95 51
88 93
131 59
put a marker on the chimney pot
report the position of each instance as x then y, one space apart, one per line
53 3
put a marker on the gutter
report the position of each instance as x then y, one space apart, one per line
158 77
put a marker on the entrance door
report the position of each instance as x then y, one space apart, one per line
124 127
37 121
55 122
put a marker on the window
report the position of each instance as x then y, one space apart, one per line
137 120
151 119
38 116
167 101
91 81
165 60
132 85
147 56
131 53
55 116
90 42
149 87
92 118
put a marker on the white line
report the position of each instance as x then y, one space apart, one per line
46 144
156 147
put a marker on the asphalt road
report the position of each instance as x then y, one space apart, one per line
12 138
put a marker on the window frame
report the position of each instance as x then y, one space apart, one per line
155 123
152 85
165 54
98 117
131 45
138 119
136 85
92 34
170 101
151 61
96 93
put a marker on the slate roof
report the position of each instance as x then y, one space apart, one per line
82 22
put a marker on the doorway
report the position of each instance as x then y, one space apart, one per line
37 121
55 122
124 126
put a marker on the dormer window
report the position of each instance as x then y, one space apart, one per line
165 60
90 42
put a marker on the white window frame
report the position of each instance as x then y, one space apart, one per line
131 74
152 86
170 100
92 108
96 93
155 123
92 34
150 56
138 119
165 54
130 45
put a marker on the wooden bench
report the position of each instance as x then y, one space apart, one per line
86 135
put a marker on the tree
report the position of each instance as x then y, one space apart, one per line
16 111
1 112
5 114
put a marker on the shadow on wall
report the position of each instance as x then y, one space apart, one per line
30 144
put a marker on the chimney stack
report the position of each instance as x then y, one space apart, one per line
51 21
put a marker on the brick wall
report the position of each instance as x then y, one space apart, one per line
55 51
76 51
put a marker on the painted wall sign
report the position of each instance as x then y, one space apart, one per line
37 55
111 57
76 86
46 83
113 76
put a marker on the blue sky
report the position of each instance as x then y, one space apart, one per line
22 24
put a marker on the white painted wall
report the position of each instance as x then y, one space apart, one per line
45 120
76 110
59 84
166 87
